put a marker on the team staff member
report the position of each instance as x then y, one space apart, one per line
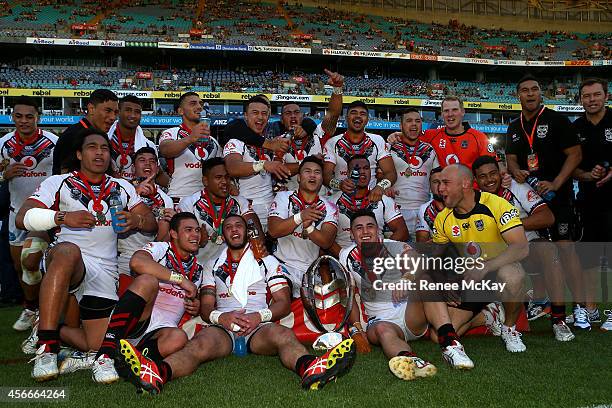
102 110
544 144
595 133
26 159
339 149
186 147
491 228
456 142
429 211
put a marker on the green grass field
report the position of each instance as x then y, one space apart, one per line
549 374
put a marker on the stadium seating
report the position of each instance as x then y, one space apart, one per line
57 77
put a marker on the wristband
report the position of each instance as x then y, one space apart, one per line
353 330
258 166
334 184
337 90
297 218
214 316
310 229
384 184
39 219
266 315
176 278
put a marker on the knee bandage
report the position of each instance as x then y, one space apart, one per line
37 245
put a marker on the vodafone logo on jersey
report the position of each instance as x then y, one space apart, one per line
452 159
91 210
123 162
29 161
416 163
176 293
197 165
532 196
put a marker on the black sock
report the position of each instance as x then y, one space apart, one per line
446 335
49 338
122 321
303 362
165 371
149 348
406 353
31 304
557 313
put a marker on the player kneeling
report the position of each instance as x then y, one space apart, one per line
166 287
237 283
390 325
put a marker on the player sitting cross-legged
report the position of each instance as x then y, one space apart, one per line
233 300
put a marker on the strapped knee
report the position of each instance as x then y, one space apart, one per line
32 277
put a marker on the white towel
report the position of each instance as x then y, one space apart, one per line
248 273
137 139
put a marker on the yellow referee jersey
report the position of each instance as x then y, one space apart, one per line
491 216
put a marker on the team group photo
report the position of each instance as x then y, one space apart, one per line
328 202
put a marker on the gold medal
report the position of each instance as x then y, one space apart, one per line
100 216
3 164
408 172
219 240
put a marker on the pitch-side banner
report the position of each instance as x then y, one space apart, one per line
75 42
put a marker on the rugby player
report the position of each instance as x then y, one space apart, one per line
386 210
146 168
390 325
26 160
212 205
302 222
253 166
487 226
126 137
233 300
595 133
102 110
186 147
414 160
83 261
535 216
428 211
456 142
168 279
544 144
339 149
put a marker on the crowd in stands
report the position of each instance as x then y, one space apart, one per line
247 23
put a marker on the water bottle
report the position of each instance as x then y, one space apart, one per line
204 119
354 176
114 206
240 348
533 182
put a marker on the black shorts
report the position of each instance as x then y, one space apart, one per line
564 228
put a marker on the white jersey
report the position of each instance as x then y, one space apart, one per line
385 211
426 217
134 240
413 170
218 274
298 150
258 187
212 220
37 156
122 155
339 150
169 304
377 304
292 250
186 168
67 192
526 199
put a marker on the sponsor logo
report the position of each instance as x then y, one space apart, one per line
490 148
75 194
504 106
29 162
172 95
464 144
508 216
563 229
515 137
34 174
197 165
608 135
41 92
82 93
401 102
442 144
474 105
414 173
456 231
465 225
479 224
569 108
532 196
172 292
452 159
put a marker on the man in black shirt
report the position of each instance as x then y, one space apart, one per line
543 143
595 133
102 110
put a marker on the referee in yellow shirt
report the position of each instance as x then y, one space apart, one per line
484 225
